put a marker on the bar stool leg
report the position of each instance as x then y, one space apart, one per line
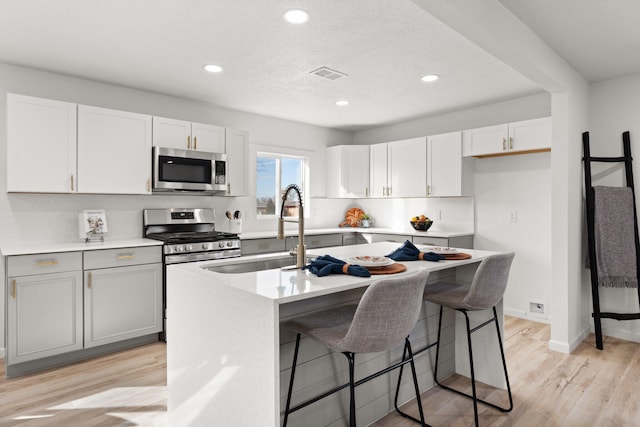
293 374
435 371
504 364
352 389
473 375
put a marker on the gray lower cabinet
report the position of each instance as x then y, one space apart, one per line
316 241
121 302
52 309
44 305
353 239
451 242
262 246
379 237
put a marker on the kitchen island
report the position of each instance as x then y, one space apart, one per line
228 359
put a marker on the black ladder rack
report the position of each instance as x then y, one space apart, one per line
589 193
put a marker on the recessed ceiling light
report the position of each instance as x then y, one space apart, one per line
296 16
342 103
430 78
213 68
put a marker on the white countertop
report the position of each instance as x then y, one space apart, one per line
285 286
373 230
39 248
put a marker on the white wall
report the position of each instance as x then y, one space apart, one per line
521 183
614 107
53 218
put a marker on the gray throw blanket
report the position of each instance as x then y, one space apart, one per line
615 237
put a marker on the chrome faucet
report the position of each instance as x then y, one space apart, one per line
301 249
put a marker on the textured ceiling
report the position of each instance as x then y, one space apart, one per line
161 45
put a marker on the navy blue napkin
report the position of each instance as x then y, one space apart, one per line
326 264
409 252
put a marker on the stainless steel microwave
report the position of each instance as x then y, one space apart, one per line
188 170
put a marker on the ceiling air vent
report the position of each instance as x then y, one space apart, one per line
328 73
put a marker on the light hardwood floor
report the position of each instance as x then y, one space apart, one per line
587 388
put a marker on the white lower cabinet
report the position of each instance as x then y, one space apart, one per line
44 305
122 303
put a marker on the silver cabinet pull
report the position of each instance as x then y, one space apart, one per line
504 144
510 143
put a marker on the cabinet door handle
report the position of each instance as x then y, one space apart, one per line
148 185
47 263
366 192
13 289
389 191
428 190
504 144
126 256
195 142
188 142
72 183
510 143
384 191
228 189
89 280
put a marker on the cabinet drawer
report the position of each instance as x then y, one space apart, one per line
316 241
262 246
122 256
434 241
23 265
396 238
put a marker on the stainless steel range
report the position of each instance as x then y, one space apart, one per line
189 235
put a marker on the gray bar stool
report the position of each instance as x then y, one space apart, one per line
486 290
384 317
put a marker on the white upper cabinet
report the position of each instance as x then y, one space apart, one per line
399 168
448 173
237 142
114 151
518 137
185 135
41 145
378 159
347 168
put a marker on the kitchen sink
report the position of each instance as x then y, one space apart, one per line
259 265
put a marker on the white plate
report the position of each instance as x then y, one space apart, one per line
441 250
370 261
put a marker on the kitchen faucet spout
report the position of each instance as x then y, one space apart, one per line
301 249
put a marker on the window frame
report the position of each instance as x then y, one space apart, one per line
278 153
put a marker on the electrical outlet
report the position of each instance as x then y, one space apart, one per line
536 307
513 216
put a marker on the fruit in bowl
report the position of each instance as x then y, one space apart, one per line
421 223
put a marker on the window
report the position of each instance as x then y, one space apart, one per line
274 173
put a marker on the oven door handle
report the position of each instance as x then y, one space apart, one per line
201 256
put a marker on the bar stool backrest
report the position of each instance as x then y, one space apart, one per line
489 282
386 314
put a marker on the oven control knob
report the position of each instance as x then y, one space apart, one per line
205 246
188 248
221 244
229 243
179 248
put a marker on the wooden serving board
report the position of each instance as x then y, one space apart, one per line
388 269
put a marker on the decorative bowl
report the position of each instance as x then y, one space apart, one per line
421 225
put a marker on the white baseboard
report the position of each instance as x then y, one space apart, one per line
568 347
535 317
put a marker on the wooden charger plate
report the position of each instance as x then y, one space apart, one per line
457 256
388 269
